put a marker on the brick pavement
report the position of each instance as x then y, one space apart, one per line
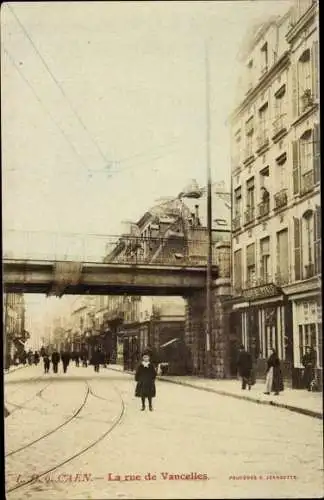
300 401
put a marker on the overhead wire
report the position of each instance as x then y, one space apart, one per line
39 100
59 86
108 163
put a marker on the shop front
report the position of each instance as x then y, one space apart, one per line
307 331
260 320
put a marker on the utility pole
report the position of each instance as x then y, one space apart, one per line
209 303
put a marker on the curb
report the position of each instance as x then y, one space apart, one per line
295 409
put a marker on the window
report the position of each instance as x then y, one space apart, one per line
281 172
249 131
250 264
282 257
265 260
264 58
263 124
237 201
308 244
250 193
280 109
304 80
238 270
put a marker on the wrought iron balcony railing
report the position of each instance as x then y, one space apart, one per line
309 271
280 199
306 100
282 278
264 208
279 124
262 140
249 215
307 182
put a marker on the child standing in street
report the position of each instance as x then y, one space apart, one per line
145 378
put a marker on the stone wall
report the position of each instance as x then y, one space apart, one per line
195 331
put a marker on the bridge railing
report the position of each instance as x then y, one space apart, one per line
173 249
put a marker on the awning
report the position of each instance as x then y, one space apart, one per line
170 342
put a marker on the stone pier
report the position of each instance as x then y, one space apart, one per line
195 322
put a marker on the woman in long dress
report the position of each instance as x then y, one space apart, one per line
274 380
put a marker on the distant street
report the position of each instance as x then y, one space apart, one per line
218 446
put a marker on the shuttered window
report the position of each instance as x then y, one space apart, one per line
295 160
315 69
316 154
317 241
297 249
282 256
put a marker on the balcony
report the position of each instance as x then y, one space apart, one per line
236 223
307 182
264 208
280 199
264 279
306 100
262 141
309 271
282 278
279 126
249 215
248 154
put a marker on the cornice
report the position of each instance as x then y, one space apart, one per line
305 19
264 81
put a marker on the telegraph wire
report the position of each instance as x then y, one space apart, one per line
60 87
43 106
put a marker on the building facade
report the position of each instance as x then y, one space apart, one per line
15 334
276 218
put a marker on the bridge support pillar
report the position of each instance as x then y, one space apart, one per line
195 331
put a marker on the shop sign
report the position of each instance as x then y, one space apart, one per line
268 290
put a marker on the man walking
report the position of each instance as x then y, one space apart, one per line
244 365
55 360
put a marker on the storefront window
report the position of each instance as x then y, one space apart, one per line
320 346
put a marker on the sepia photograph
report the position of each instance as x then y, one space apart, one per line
161 250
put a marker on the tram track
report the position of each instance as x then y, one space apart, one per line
55 429
118 419
22 406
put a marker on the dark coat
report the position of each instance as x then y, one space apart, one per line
46 361
65 357
277 381
55 358
145 378
244 364
309 363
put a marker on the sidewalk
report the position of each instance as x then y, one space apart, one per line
300 401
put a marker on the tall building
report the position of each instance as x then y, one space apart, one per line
15 334
276 226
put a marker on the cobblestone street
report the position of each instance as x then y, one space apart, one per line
82 433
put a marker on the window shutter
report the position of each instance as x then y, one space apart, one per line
317 241
316 154
295 161
297 249
315 69
294 88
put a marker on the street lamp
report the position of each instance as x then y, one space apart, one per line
209 303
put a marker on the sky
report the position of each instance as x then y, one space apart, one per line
103 110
